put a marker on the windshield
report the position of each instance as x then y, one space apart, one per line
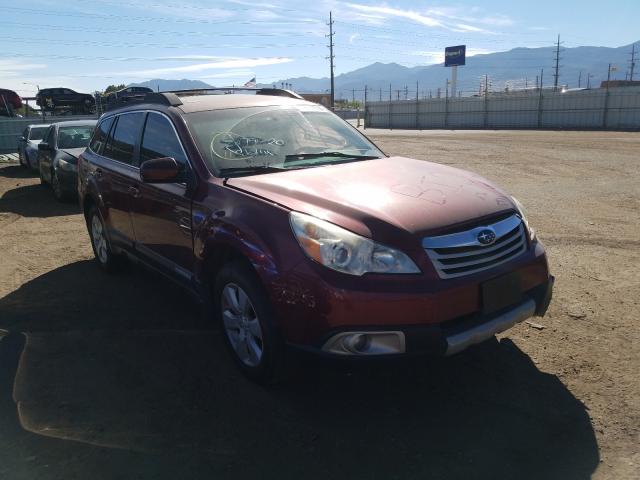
242 140
37 133
74 137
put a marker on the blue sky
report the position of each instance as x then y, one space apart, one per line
88 44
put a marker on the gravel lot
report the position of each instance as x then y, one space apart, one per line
117 377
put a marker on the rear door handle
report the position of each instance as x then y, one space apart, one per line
134 192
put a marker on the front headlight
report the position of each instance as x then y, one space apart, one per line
530 231
344 251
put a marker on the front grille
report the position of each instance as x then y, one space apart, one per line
461 253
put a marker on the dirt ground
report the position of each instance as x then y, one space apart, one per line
117 377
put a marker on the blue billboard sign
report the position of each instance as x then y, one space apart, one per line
454 56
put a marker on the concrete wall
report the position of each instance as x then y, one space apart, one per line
11 128
584 109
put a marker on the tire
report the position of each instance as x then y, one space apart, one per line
43 182
104 256
246 319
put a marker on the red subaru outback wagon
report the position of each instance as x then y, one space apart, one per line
300 232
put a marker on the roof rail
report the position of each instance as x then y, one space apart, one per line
276 92
171 98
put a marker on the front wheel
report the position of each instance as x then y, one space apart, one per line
247 322
58 189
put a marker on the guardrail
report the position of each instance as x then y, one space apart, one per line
597 109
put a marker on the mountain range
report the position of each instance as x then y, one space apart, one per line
516 68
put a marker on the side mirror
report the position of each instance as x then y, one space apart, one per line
160 170
43 146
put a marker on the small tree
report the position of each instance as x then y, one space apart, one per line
113 88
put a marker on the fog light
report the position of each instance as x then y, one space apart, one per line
366 343
357 343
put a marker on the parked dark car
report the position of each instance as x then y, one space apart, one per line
28 142
58 156
65 99
126 94
10 101
303 234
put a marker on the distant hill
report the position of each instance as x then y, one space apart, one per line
515 68
161 85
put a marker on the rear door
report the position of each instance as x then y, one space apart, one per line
162 212
117 174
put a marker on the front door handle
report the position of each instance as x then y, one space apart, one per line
134 192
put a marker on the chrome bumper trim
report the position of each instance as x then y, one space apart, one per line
458 342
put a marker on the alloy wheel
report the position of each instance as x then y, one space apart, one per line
241 324
98 239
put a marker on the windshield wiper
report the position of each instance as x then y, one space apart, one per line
226 172
303 156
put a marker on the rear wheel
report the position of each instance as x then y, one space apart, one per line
105 257
247 322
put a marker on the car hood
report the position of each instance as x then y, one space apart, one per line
74 152
414 195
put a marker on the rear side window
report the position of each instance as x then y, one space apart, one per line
160 140
124 135
37 133
100 135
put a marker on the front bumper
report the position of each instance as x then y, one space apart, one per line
68 180
453 336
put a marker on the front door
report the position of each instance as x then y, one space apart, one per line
161 213
45 157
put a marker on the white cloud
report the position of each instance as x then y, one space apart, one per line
14 68
395 12
449 18
219 63
353 37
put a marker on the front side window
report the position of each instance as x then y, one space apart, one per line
260 138
100 135
74 136
159 140
124 135
51 136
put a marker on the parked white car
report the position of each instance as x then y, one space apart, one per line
28 144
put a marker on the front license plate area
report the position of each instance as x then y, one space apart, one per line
501 292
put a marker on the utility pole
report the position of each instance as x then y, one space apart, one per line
580 79
331 58
633 61
556 75
353 95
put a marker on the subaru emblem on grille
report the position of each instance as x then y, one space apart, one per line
486 237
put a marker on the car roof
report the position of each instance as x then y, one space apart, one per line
39 125
201 103
75 123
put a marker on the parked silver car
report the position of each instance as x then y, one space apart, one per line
28 144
